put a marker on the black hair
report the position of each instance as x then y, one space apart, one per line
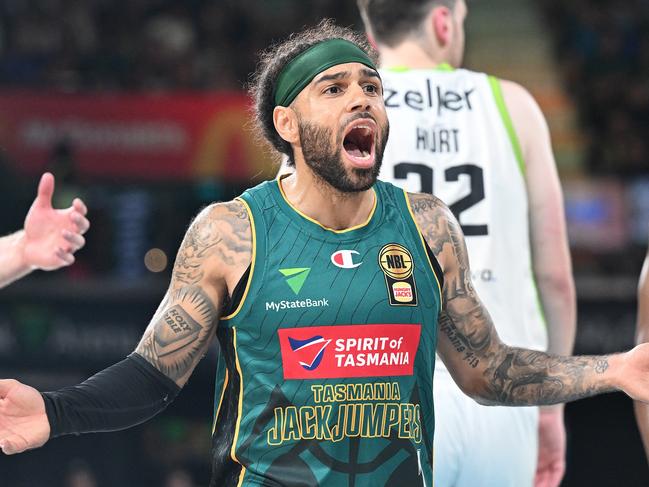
392 21
271 63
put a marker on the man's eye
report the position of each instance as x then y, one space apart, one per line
371 89
332 90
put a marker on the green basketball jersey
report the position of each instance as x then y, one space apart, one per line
326 366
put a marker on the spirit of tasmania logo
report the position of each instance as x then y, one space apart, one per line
340 351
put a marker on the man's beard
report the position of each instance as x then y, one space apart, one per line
326 161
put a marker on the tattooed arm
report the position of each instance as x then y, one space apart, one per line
487 369
212 258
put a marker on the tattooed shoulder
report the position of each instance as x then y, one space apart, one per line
221 232
438 226
422 202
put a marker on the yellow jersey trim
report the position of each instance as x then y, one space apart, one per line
225 386
423 243
356 227
233 454
252 261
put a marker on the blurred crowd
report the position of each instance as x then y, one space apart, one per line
603 50
146 44
163 45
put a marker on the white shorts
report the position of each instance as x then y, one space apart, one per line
481 446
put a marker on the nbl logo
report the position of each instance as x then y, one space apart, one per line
309 352
397 264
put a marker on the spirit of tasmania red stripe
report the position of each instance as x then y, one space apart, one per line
329 352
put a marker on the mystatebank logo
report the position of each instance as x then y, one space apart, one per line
295 279
286 304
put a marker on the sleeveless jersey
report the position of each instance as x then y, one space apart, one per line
451 136
326 366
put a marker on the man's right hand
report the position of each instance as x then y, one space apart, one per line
23 422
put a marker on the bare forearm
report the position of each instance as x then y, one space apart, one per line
12 261
557 295
547 225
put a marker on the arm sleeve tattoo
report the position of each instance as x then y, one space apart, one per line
485 368
217 243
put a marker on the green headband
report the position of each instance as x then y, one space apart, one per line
305 66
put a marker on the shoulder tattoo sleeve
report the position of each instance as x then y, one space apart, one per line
217 247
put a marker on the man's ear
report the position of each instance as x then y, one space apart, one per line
286 124
442 23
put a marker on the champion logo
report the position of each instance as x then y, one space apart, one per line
309 352
345 259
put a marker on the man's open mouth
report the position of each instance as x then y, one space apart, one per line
359 140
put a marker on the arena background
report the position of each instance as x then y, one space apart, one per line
137 106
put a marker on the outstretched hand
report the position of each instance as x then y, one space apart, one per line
53 236
23 422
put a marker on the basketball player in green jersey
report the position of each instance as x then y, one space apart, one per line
642 336
328 293
482 146
48 240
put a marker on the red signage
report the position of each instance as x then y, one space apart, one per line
327 352
171 136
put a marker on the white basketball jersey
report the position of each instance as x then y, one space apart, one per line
451 135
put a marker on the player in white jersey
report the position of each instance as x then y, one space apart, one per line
483 147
